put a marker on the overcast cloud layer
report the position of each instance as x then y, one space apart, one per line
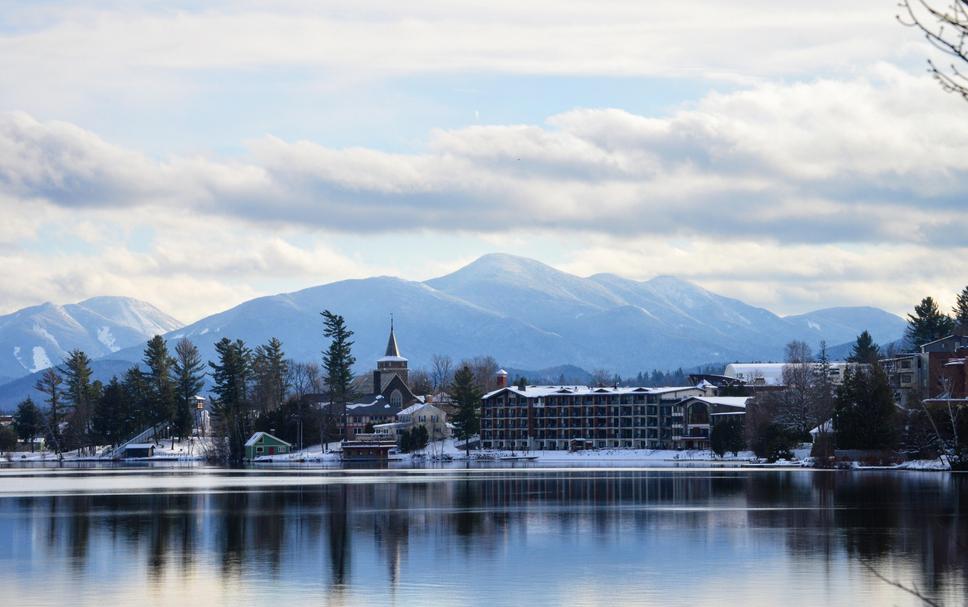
808 166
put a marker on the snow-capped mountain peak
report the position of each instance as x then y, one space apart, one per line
37 337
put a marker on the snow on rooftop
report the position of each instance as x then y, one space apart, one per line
255 438
542 391
827 426
729 401
770 373
411 409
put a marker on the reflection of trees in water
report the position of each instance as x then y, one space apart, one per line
871 516
338 535
277 531
468 518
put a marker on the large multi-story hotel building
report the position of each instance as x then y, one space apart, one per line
570 417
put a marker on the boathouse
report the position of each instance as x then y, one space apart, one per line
134 450
263 443
371 448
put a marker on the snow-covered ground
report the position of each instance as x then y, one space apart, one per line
308 455
449 450
193 449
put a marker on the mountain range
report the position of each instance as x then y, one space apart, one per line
524 313
34 338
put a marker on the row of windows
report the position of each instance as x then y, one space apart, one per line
626 411
564 445
579 423
367 419
571 401
518 434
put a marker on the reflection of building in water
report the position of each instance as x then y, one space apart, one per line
353 541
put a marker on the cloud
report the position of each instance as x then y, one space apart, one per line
186 264
382 37
786 278
818 162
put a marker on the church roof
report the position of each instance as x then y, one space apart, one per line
393 351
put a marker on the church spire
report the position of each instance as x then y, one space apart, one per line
392 349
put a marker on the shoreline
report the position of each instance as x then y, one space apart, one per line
613 459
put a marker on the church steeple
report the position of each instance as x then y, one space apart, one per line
392 349
390 364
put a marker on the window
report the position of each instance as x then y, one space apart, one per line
698 414
396 399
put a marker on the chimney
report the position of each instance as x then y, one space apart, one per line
502 379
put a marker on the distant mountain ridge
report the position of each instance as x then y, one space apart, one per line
528 316
37 337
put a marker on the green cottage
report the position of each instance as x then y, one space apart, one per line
263 443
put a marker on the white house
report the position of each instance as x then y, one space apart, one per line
417 414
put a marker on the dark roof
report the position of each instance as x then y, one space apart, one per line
940 344
371 405
717 380
392 349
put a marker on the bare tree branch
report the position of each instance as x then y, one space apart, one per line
913 590
947 31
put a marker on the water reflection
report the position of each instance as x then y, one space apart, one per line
568 537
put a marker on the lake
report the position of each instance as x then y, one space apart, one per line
503 536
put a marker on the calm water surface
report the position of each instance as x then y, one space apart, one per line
195 536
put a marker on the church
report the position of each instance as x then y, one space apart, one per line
378 396
390 378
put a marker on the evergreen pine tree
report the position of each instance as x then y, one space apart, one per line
108 421
820 392
137 410
8 439
865 350
467 396
161 389
80 395
338 363
28 421
50 384
270 370
865 416
927 323
960 311
406 441
230 379
727 435
420 438
187 375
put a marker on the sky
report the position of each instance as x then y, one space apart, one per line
198 157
